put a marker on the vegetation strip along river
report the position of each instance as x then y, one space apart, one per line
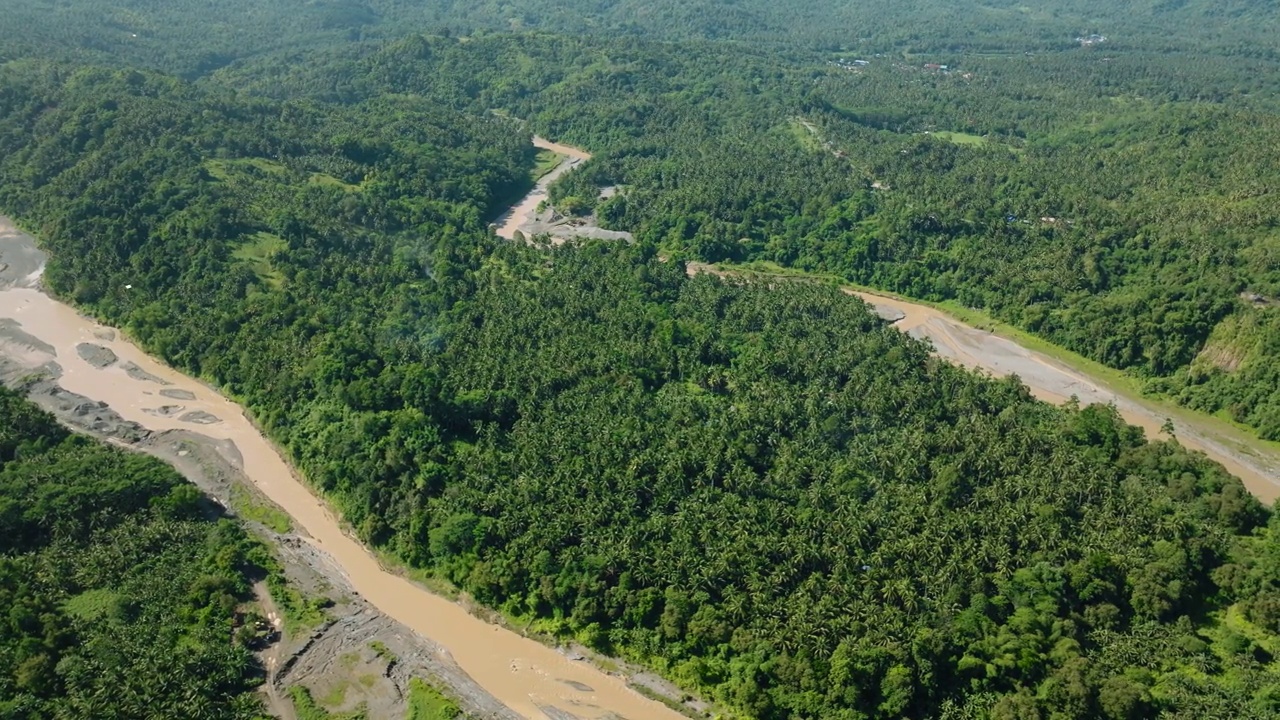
1048 379
519 672
1257 466
1053 381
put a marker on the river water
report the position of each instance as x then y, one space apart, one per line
521 673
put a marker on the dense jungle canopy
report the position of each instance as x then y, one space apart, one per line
758 489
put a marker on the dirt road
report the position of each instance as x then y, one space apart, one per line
568 151
279 705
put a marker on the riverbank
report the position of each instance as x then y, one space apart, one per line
524 219
523 212
98 381
1056 375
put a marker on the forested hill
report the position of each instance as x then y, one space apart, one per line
759 490
132 174
194 38
763 492
878 25
119 593
1116 205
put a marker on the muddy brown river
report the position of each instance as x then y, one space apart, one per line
521 673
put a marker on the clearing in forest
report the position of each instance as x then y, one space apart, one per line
960 138
258 252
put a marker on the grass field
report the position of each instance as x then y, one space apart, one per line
95 604
960 138
807 138
331 181
308 709
226 171
255 509
428 703
545 162
258 253
223 169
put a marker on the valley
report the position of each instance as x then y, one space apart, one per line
880 361
533 680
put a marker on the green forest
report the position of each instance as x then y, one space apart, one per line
1120 209
760 490
120 593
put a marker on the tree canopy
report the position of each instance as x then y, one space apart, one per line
120 594
757 488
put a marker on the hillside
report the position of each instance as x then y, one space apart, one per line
1119 209
758 490
195 38
762 492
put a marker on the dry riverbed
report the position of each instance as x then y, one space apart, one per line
1053 381
97 382
1257 466
524 218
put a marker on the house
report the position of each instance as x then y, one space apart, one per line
850 64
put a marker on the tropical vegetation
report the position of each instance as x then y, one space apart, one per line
757 488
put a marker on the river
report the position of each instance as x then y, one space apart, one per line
1254 462
524 211
521 673
1051 380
